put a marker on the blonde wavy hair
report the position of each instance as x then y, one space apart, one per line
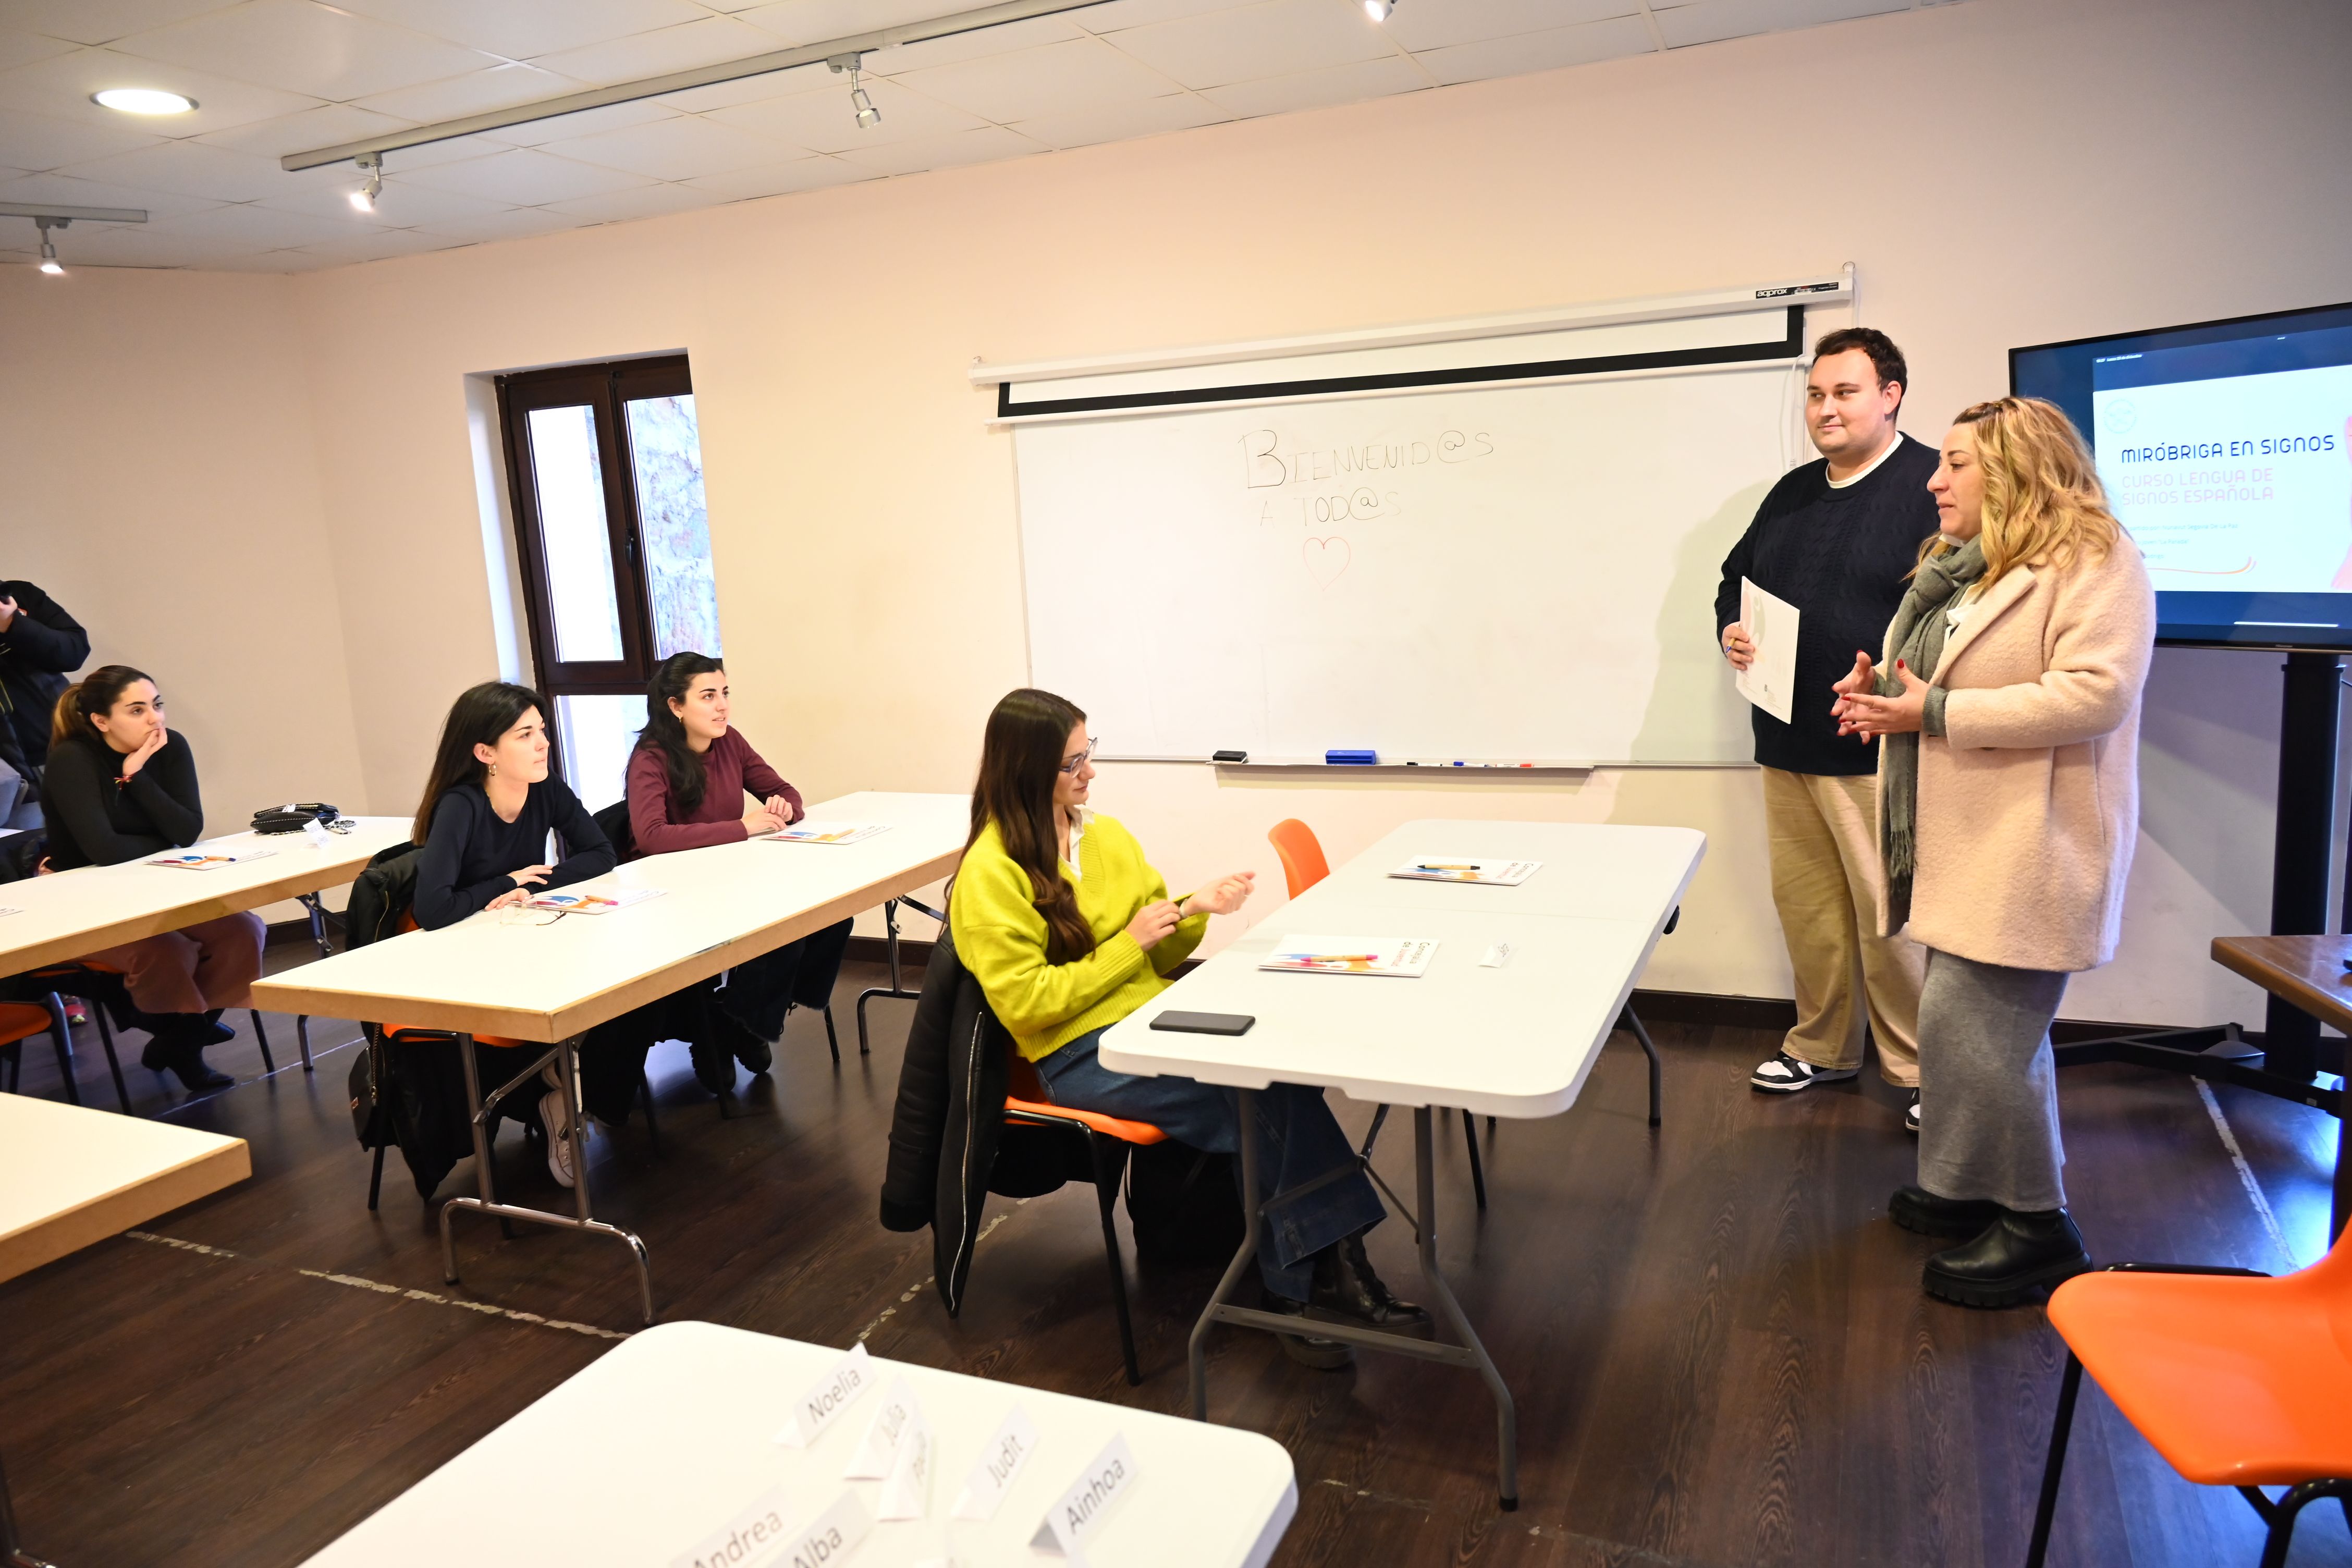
2042 498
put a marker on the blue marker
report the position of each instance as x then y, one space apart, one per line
1342 757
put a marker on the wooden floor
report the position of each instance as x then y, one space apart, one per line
1717 1341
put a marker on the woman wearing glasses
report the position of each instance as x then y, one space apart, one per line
1069 929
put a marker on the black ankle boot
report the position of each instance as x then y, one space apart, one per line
214 1031
714 1065
1917 1208
1346 1290
2018 1256
188 1064
1308 1350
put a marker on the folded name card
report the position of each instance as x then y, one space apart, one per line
824 1400
1078 1515
881 1445
831 1536
751 1537
907 1489
999 1463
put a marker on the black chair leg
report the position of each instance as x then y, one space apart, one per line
375 1179
2284 1512
302 1038
12 1064
113 1064
1380 1114
1478 1166
62 1037
645 1091
1108 1157
832 1038
2061 1427
261 1038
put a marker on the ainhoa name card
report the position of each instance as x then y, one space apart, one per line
1079 1514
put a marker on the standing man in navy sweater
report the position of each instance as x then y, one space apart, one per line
1836 539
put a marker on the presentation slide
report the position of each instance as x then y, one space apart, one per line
2230 463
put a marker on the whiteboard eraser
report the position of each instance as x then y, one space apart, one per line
1361 759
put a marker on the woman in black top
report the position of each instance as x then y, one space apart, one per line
122 787
483 826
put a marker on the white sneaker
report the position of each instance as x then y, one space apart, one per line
1911 1117
1784 1074
551 1114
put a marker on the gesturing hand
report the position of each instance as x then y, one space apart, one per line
1223 896
8 612
1152 923
1871 716
530 876
1737 647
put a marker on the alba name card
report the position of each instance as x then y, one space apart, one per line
830 1537
1079 1514
753 1537
1001 1463
824 1400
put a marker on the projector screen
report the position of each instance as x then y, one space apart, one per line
2226 449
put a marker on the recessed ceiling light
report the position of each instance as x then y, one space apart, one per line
142 100
1379 10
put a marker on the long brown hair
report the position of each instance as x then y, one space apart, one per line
665 731
2042 498
1020 756
92 697
479 716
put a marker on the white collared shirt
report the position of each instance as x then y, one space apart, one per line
1872 466
1079 817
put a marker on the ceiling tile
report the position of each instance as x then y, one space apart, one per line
1422 26
782 179
796 22
67 191
300 46
512 224
987 144
586 123
524 178
97 21
673 148
1122 14
665 49
61 86
1071 75
748 90
1272 39
978 44
642 201
380 244
520 32
19 48
1709 21
1117 122
329 125
476 92
402 204
252 228
1350 83
281 260
190 169
825 121
1539 51
41 141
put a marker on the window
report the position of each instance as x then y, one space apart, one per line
615 541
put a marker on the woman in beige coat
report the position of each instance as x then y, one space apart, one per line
2008 803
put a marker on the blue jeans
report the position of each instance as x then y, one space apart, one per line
1298 1140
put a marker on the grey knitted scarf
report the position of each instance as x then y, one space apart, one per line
1916 638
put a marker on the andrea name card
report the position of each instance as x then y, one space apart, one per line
751 1538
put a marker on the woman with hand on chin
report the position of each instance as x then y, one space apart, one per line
482 827
2008 807
122 785
686 782
1069 929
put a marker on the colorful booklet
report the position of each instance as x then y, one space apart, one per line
571 903
1405 957
1467 868
828 832
208 859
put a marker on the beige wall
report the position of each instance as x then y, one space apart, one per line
162 482
2002 171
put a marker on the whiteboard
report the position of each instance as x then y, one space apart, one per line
1522 574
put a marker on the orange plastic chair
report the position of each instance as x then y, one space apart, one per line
1108 1138
1303 866
19 1022
2238 1379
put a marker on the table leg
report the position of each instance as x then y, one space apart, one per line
2341 1210
565 1057
12 1551
1467 1352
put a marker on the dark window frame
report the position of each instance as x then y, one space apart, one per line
606 389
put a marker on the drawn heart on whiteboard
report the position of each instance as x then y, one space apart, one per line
1326 559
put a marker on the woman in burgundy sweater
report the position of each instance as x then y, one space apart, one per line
686 782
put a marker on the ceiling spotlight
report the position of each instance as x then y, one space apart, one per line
49 262
371 163
869 117
142 100
1379 10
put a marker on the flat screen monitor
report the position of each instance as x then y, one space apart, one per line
2226 449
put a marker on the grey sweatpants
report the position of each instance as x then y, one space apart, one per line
1987 1088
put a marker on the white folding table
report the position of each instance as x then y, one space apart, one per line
527 977
1513 1041
69 914
659 1441
70 1177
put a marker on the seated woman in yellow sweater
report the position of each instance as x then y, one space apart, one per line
1069 929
